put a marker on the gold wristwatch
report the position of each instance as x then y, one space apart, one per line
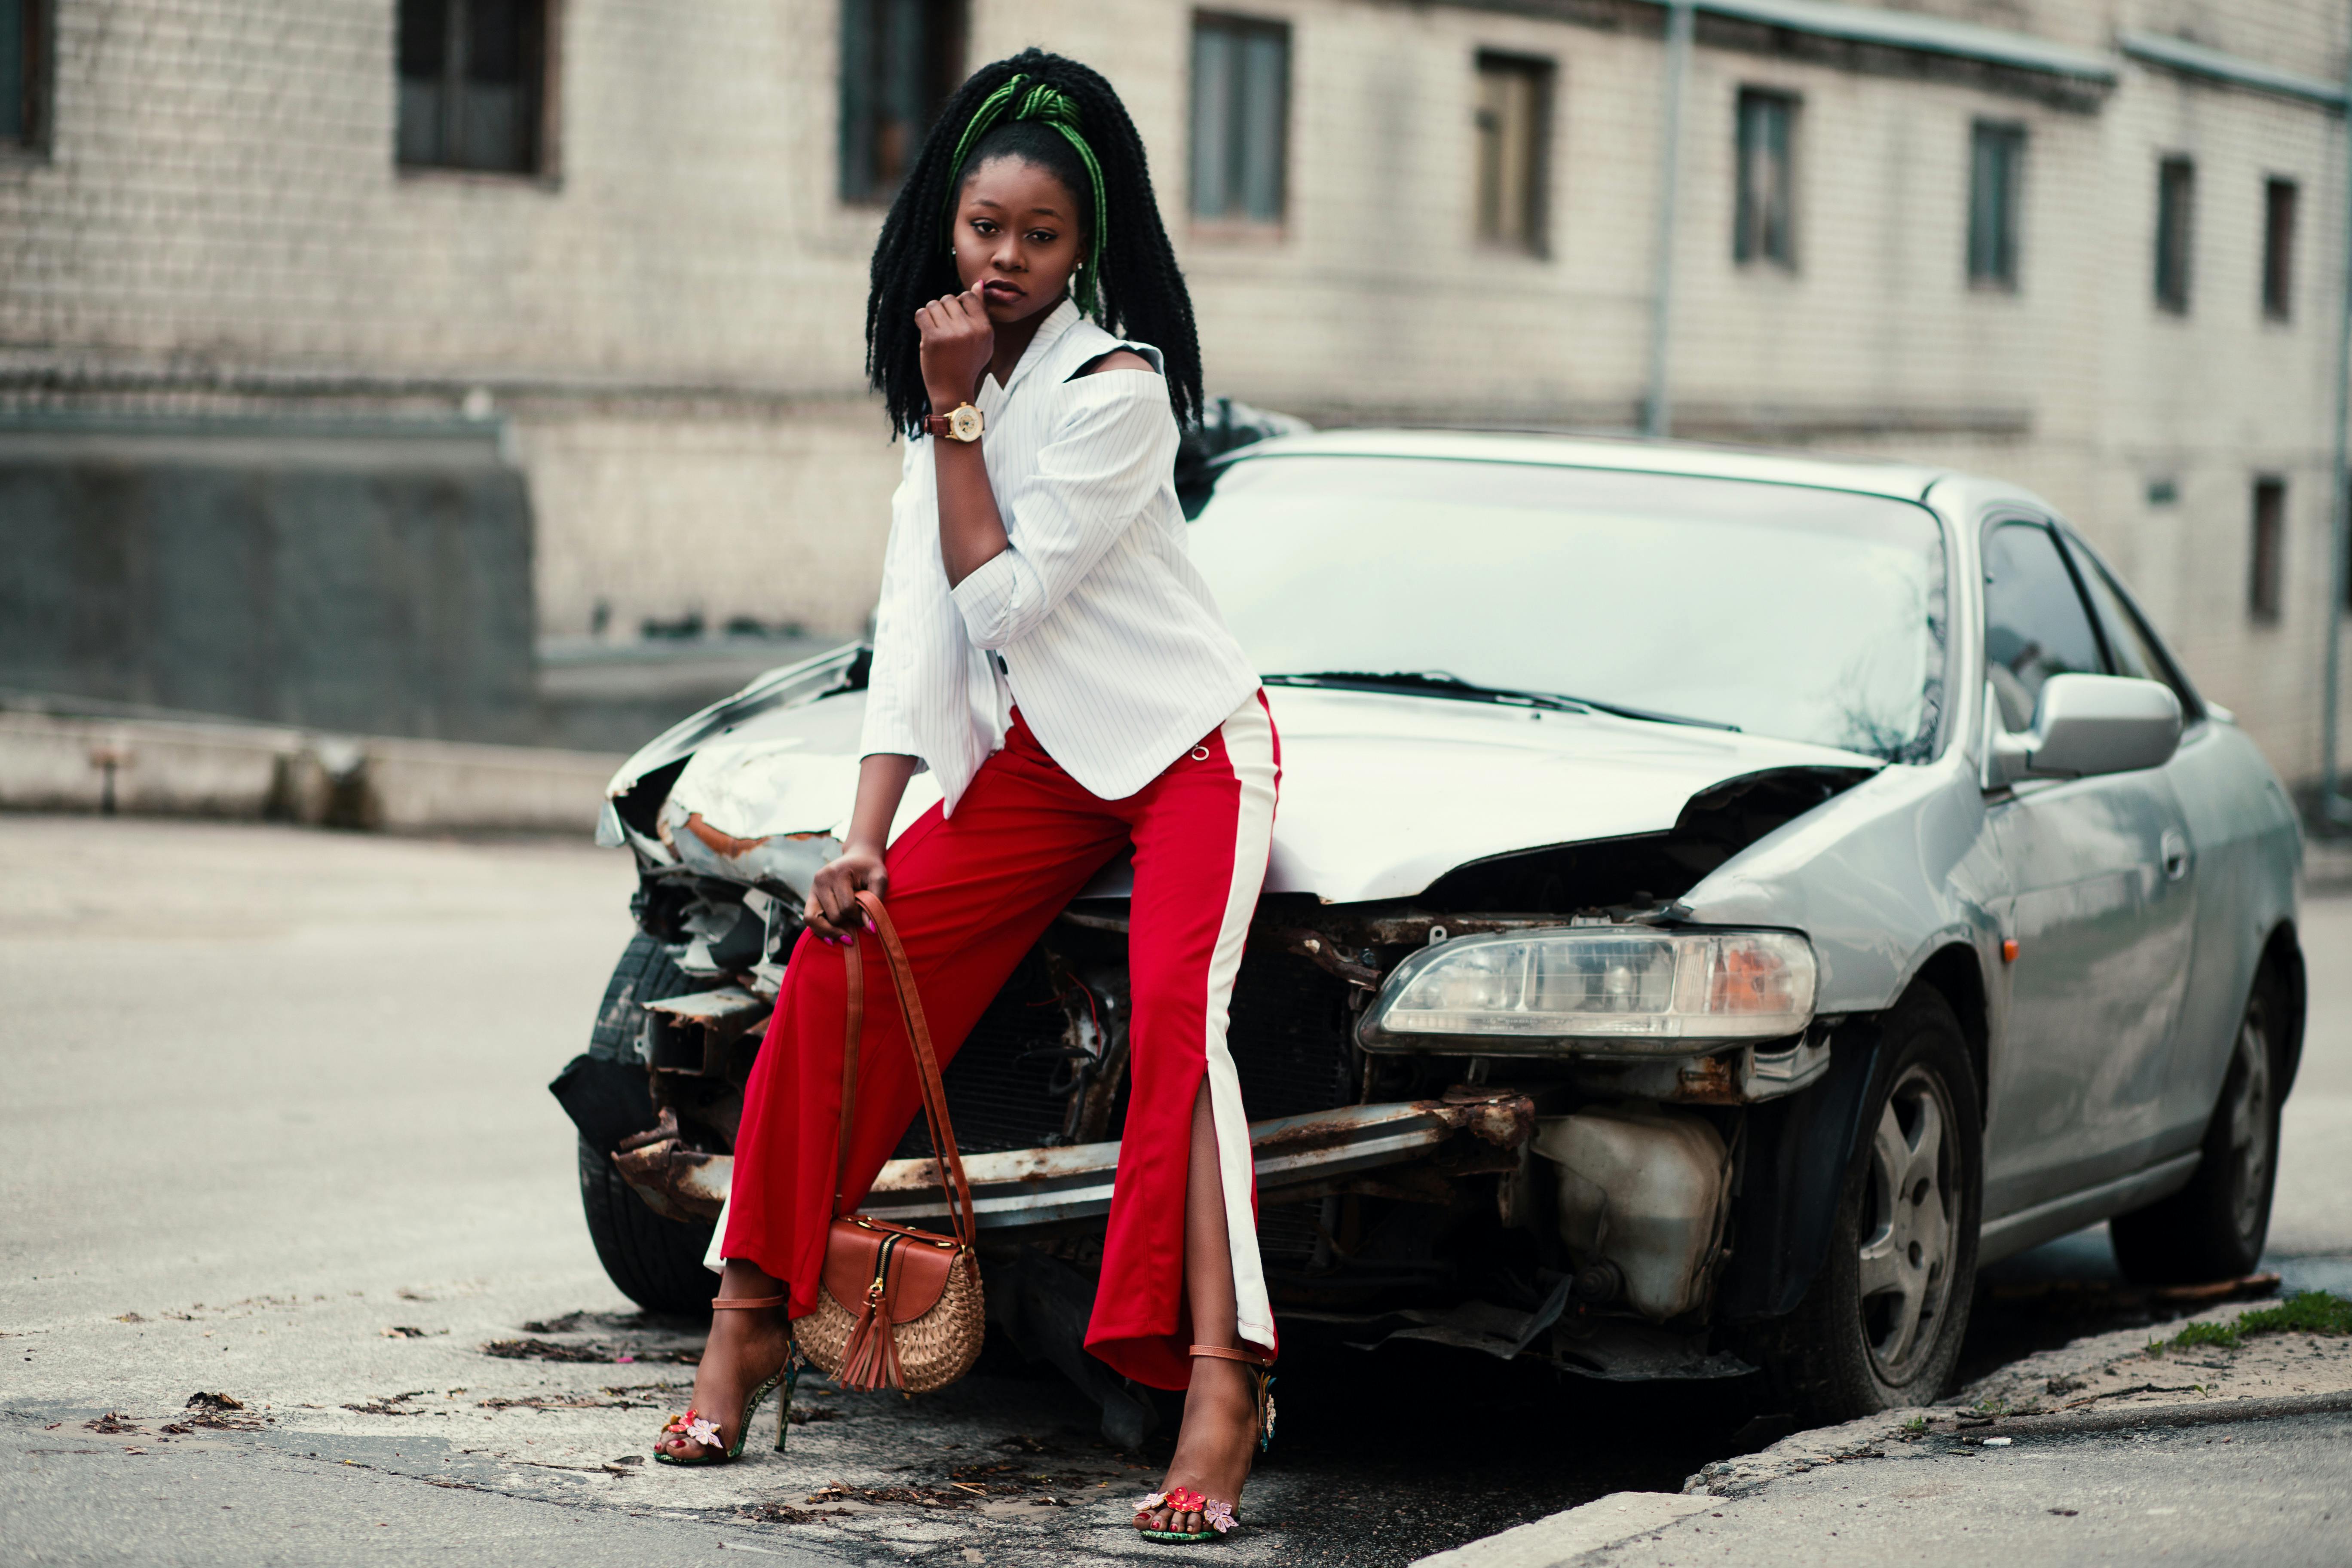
961 422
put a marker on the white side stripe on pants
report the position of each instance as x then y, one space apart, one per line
1249 747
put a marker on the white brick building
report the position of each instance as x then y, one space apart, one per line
208 215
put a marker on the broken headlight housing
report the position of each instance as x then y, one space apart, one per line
1603 990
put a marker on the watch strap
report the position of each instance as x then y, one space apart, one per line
942 425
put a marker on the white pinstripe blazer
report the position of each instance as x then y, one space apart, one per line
1110 641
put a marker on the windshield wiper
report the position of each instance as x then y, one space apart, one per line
1443 683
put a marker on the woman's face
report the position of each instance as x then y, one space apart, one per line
1016 235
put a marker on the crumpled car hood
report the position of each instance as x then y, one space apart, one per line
1381 793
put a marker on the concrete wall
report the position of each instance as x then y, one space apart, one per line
375 584
670 321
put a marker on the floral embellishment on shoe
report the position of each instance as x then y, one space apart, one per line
702 1429
1151 1501
1220 1515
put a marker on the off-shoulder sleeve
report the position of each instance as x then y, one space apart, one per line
1112 452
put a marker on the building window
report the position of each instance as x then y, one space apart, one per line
2264 581
1241 106
24 60
473 84
900 61
1764 217
2176 218
1995 168
1513 121
2278 249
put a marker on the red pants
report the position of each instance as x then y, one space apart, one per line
970 894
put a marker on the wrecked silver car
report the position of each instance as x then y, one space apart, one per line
1718 900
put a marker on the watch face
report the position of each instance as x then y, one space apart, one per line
964 424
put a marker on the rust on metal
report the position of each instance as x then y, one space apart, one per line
725 844
1409 1149
1329 954
1502 1117
1710 1080
674 1182
722 1017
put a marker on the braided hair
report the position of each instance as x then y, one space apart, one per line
1077 131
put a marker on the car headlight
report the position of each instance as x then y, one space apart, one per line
1604 989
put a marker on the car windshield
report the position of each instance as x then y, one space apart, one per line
1808 615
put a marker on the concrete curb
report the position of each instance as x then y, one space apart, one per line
2131 1418
190 767
1563 1537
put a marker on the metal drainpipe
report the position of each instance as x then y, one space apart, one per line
2332 801
1657 408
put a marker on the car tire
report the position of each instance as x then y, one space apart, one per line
2215 1227
654 1262
1881 1326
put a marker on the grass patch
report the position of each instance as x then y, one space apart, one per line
2305 1312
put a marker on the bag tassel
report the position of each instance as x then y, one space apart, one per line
870 1361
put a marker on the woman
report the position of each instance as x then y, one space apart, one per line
1045 649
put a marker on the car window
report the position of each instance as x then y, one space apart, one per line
2035 625
2131 647
1807 615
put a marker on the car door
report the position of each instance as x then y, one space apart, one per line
2099 907
2209 780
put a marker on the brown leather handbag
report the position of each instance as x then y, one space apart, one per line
900 1308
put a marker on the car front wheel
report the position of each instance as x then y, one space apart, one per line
2215 1227
1882 1326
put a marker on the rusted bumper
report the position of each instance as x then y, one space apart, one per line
1294 1156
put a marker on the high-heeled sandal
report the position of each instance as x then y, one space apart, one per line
1184 1499
697 1427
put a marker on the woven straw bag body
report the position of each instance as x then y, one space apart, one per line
899 1308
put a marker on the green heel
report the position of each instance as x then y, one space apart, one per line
698 1428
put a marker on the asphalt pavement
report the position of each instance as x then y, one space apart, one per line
279 1131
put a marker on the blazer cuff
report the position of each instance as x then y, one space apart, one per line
993 599
883 735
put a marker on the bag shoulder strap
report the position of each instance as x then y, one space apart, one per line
947 1160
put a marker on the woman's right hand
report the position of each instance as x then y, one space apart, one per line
832 910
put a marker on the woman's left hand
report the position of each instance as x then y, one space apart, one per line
958 341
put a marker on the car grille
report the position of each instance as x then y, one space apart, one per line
1288 1037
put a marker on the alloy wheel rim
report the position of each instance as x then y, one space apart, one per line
1910 1226
2250 1123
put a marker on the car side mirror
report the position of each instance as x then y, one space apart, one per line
2086 725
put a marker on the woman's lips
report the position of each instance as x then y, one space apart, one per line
998 290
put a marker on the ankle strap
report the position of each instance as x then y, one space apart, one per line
1222 1354
748 1302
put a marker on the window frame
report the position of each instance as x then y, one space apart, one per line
1543 73
2175 234
36 91
2083 562
2278 246
1993 261
946 72
2011 516
1751 231
545 168
1234 221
